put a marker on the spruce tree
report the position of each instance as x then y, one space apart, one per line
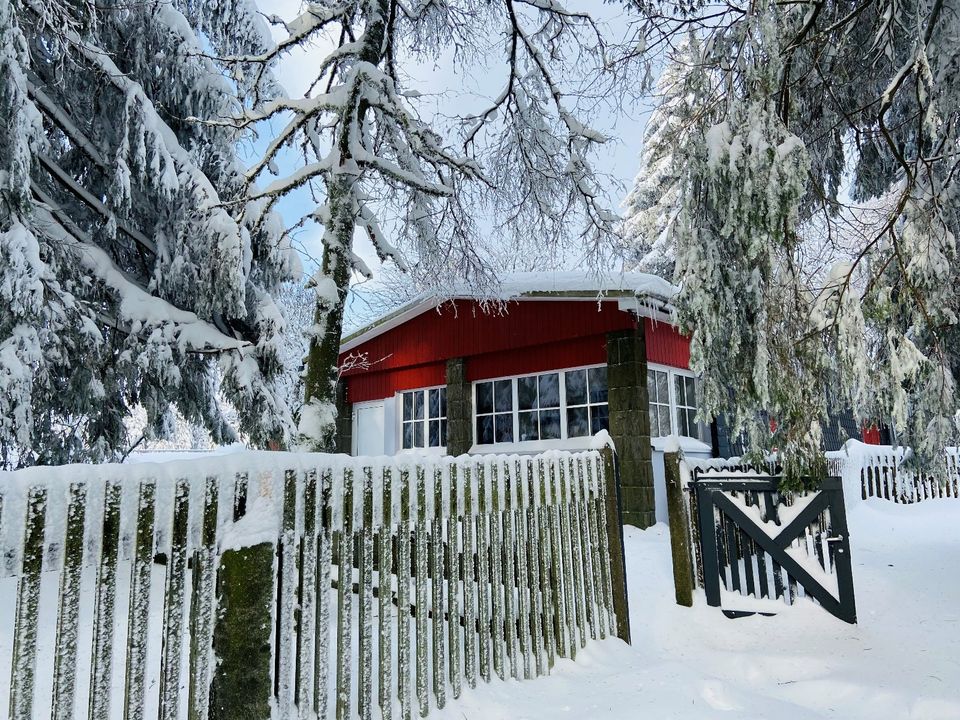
133 267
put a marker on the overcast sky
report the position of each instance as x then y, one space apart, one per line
451 88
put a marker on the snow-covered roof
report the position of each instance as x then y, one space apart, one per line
641 292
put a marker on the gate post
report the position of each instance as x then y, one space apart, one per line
613 515
679 531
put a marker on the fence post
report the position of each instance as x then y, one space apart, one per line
614 519
679 537
242 684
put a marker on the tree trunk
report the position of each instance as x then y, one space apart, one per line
318 421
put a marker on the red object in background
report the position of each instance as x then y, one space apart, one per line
871 435
532 336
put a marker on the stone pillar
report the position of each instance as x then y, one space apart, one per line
459 408
344 420
630 423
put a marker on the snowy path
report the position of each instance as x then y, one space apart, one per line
902 662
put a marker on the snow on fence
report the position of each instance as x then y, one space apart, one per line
286 585
878 471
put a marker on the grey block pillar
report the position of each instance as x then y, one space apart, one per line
344 420
630 423
459 408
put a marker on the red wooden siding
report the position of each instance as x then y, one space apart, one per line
666 345
591 350
377 385
532 336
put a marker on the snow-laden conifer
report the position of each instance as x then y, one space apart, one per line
130 258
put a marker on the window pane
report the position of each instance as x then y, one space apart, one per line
484 398
418 434
598 385
443 402
549 424
665 424
691 391
408 406
434 404
485 430
504 428
443 433
599 418
418 406
527 393
407 436
663 390
576 382
654 422
550 390
503 396
651 386
528 426
681 389
434 433
682 423
578 424
693 428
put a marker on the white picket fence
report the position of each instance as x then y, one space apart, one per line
454 571
878 471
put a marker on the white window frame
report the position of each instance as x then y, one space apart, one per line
398 425
672 373
562 442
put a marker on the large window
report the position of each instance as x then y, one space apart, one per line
424 419
673 403
541 407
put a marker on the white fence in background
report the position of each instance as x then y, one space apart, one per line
394 579
879 471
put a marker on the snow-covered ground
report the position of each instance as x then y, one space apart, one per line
901 662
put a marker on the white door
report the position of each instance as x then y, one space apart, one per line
368 432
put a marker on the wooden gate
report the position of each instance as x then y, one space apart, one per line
753 540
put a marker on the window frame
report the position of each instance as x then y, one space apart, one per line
439 449
562 442
672 374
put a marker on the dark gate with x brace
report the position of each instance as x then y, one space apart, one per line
753 540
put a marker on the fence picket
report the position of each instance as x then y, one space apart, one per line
453 579
324 560
24 661
513 614
436 577
469 582
482 550
139 606
567 559
365 679
203 604
101 672
581 496
601 503
549 590
499 634
403 598
345 597
534 580
592 483
173 605
65 656
420 549
523 585
306 637
574 542
385 596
